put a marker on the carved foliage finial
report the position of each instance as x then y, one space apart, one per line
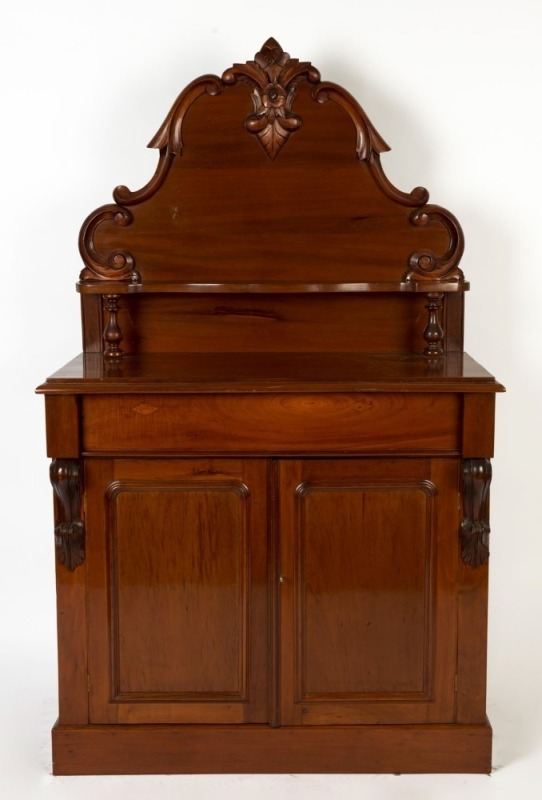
274 77
475 524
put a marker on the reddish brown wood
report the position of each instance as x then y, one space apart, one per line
478 425
92 323
276 574
273 423
196 373
69 528
472 643
112 333
273 76
63 424
180 632
137 749
72 644
188 226
274 323
72 631
452 322
433 333
368 617
475 524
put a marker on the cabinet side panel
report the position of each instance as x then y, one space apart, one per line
72 643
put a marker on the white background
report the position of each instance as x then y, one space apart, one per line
455 89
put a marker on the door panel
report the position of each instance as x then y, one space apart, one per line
367 601
182 636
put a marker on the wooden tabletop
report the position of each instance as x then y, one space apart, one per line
90 373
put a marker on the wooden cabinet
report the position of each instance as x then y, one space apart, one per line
271 463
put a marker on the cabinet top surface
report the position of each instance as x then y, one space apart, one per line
195 373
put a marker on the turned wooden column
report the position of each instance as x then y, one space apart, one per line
112 333
433 333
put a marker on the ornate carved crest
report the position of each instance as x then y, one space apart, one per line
110 245
274 76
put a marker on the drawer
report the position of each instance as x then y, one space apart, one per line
272 423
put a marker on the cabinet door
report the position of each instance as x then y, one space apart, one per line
368 563
177 590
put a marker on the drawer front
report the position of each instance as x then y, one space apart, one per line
272 423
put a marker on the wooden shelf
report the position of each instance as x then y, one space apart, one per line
279 287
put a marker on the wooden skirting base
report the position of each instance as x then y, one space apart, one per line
170 749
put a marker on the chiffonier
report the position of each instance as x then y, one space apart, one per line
271 462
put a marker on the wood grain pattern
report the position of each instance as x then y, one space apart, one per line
478 426
168 749
71 609
273 323
63 426
196 221
177 641
263 373
271 474
273 423
367 592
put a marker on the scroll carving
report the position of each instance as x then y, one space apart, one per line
69 530
115 266
273 76
426 265
369 140
475 524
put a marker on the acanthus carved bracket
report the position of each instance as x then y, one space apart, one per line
69 529
475 524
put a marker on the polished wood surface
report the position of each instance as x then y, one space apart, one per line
144 749
205 217
179 634
271 461
273 323
196 373
368 616
272 423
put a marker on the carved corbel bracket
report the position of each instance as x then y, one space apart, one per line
475 524
69 530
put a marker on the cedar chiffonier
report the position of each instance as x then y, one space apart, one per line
271 462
